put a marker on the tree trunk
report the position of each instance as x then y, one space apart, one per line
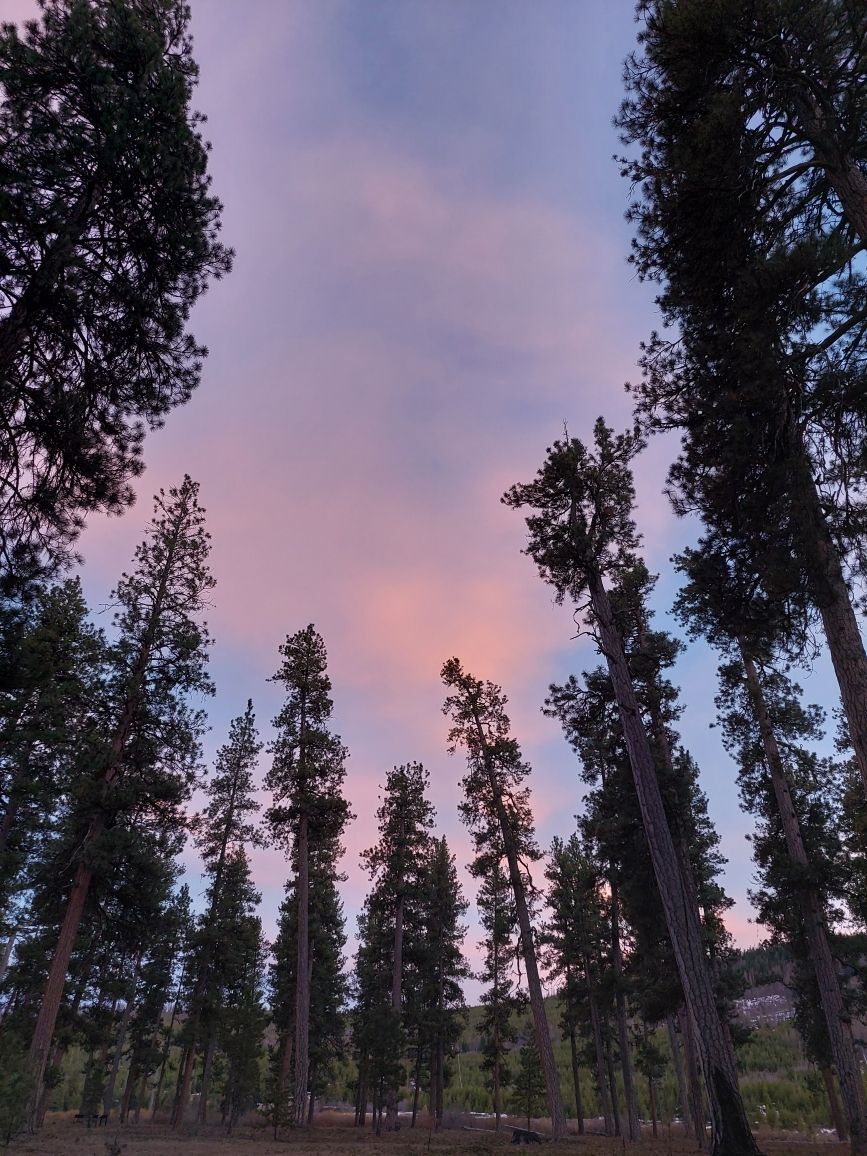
837 1018
185 1078
283 1079
622 1026
108 1091
694 1083
601 1071
576 1082
202 1112
831 595
654 1111
837 1117
40 1044
391 1117
416 1089
126 1098
528 951
302 982
679 1075
612 1084
731 1131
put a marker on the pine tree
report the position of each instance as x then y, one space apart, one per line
762 718
328 986
581 533
578 943
49 705
528 1092
747 122
99 274
309 811
224 827
150 753
374 1030
441 967
496 809
501 1001
405 817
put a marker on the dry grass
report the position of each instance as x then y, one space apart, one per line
334 1134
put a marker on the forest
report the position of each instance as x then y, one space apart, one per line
614 1002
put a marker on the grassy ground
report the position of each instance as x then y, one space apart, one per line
62 1136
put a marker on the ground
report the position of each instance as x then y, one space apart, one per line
62 1136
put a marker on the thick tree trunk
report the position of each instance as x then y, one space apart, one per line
679 1075
696 1110
40 1044
731 1131
837 1117
302 982
528 951
185 1077
837 1018
601 1072
576 1083
634 1123
831 595
845 175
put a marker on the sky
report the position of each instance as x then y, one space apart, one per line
431 278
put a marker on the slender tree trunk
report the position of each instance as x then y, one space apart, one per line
837 1018
417 1088
207 1061
612 1084
576 1082
837 1117
654 1110
528 951
391 1117
108 1091
126 1098
622 1026
731 1131
302 983
141 1095
679 1075
601 1071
